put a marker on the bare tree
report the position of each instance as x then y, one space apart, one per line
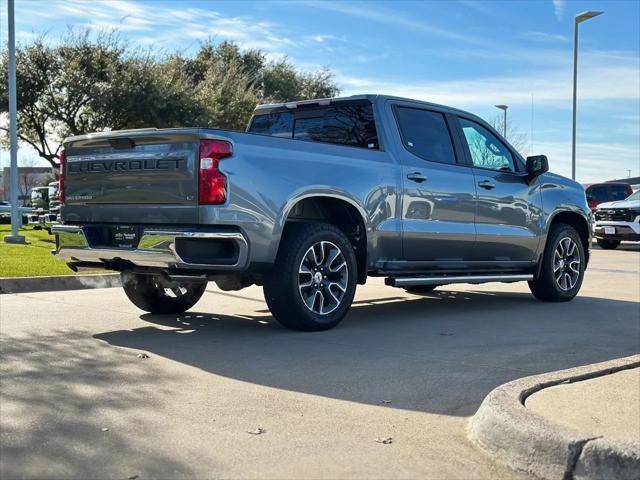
514 136
29 179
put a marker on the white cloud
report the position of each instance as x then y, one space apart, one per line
320 38
559 7
163 25
373 12
550 86
546 37
595 162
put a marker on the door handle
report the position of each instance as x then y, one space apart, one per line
487 184
416 177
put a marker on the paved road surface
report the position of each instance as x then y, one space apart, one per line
70 369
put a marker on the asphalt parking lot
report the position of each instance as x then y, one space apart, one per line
76 401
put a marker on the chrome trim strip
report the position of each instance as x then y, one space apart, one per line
443 280
156 248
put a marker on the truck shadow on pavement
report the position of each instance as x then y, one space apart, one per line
59 391
440 353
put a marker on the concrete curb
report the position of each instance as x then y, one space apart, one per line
58 283
529 442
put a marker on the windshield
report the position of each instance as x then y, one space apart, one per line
634 196
607 193
36 194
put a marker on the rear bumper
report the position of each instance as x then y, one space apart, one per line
156 249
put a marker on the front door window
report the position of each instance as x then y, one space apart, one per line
485 148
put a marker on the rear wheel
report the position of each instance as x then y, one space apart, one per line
608 244
312 284
421 289
563 266
155 294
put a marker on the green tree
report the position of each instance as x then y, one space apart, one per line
94 82
282 82
85 85
223 81
230 82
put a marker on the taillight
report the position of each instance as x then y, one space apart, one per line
61 178
212 184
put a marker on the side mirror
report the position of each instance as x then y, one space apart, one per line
537 165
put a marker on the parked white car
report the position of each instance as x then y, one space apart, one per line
618 221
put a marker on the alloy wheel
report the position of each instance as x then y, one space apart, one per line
566 263
322 277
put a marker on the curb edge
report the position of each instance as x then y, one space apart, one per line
526 441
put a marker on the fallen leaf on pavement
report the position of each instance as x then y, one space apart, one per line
385 440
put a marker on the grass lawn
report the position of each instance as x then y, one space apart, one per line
32 259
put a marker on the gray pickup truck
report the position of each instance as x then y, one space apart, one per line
312 199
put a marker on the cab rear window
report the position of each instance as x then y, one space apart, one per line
352 125
273 124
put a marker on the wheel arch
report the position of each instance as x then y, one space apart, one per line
576 220
338 210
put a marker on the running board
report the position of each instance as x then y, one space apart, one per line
444 280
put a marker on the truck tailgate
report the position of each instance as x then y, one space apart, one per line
137 177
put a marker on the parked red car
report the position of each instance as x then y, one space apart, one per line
598 193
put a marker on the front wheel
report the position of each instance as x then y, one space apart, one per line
155 294
607 244
313 281
563 266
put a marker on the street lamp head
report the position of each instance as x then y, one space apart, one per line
584 16
502 107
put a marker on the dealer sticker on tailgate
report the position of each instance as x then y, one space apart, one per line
125 236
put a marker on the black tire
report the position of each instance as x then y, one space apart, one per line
607 244
148 293
421 289
286 286
547 287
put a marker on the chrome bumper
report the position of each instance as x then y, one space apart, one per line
156 248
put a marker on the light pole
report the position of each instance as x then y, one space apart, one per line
581 17
504 125
13 128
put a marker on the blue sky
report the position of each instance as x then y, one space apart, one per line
465 53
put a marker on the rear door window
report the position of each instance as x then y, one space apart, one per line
350 124
425 134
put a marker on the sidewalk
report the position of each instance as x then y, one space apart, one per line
607 406
581 423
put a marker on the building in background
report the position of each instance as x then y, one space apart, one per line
633 181
28 178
